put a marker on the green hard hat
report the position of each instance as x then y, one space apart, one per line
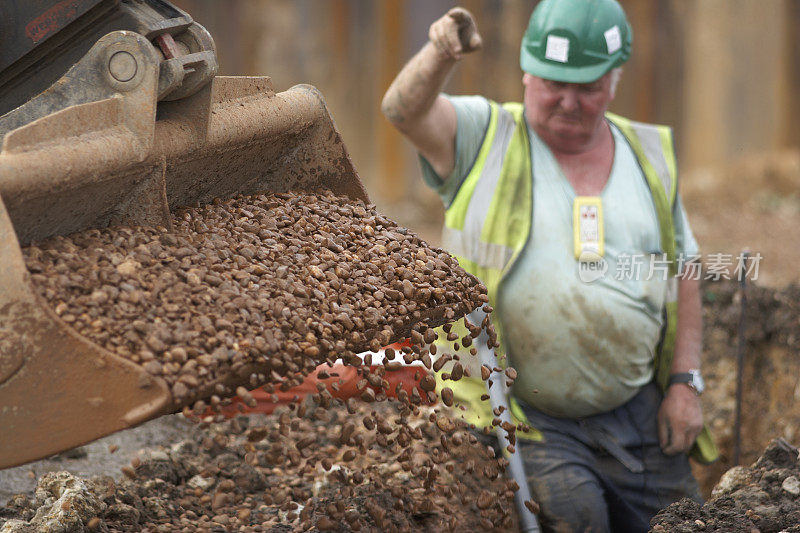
575 41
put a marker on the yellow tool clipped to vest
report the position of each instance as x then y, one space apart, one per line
587 227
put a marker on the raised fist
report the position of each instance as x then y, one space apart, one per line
455 34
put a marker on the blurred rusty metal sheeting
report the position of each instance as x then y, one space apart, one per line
723 73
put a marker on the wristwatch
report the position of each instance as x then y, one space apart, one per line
691 378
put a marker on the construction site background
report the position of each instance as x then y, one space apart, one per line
723 73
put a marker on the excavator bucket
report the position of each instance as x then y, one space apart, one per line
109 154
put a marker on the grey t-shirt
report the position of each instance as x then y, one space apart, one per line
579 348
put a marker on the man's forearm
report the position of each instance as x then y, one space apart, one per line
416 87
689 335
680 417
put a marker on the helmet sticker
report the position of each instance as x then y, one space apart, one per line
613 39
557 48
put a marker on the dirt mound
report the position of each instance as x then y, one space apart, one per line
245 472
763 497
771 315
771 370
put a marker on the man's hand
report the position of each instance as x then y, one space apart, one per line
680 419
455 34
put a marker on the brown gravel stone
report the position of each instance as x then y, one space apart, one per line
282 282
447 396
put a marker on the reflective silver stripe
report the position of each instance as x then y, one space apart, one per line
650 139
483 254
482 196
672 289
467 242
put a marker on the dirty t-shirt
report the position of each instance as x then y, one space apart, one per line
580 348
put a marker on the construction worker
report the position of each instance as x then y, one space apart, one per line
570 216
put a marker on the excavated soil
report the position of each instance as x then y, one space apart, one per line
101 457
762 498
290 471
770 406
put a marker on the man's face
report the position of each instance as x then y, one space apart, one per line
568 116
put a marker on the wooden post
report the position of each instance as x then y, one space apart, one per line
642 16
339 34
468 72
707 69
791 131
669 66
392 174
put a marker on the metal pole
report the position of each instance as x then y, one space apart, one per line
497 397
742 274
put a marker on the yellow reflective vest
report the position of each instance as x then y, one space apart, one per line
488 223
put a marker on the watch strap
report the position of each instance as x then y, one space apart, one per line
692 378
681 377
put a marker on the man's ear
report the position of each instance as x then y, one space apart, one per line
526 78
616 74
